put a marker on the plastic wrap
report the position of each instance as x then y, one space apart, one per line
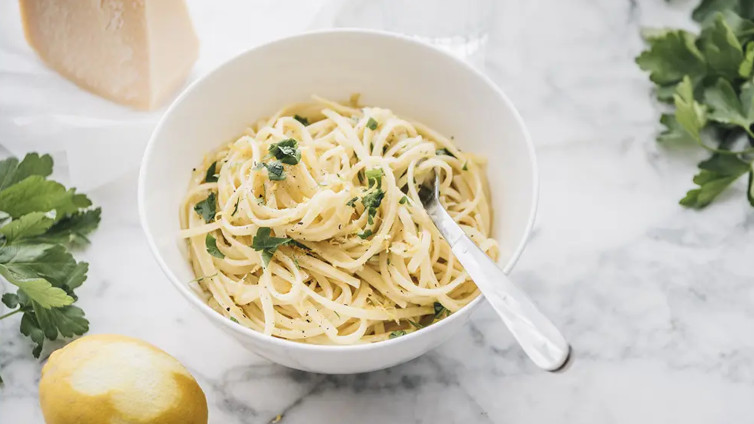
93 140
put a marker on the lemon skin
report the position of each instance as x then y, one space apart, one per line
112 379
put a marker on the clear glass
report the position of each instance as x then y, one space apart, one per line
458 26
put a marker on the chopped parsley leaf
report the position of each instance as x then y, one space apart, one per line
465 166
235 208
301 119
403 200
200 279
439 310
374 177
445 152
275 171
372 124
234 320
397 333
366 233
300 245
415 324
211 244
263 242
373 199
286 151
212 173
207 208
352 202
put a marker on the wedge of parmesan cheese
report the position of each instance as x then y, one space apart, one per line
134 52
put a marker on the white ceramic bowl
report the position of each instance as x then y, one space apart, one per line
414 80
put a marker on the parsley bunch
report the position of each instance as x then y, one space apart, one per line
708 78
39 221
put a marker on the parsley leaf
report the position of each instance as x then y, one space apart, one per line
29 225
69 321
51 262
403 200
212 174
691 115
12 172
35 194
38 290
72 229
721 48
211 244
10 300
747 65
286 151
352 202
727 107
263 242
715 175
31 328
372 124
708 8
673 132
672 56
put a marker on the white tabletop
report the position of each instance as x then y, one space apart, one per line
655 299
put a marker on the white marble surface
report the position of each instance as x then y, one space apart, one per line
656 300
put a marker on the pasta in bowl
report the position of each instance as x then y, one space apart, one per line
309 227
210 256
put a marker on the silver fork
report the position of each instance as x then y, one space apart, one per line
534 332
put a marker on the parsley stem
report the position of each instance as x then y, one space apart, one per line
10 313
722 151
729 152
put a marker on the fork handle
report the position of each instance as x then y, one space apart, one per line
536 334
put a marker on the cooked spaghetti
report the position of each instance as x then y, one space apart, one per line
309 227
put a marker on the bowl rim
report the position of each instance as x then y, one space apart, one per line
198 303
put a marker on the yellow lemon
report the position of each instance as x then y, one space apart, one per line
111 379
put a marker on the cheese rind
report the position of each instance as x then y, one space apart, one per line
134 52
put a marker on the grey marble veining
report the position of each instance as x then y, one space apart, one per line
655 299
